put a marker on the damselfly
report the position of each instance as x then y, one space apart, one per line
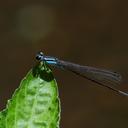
102 77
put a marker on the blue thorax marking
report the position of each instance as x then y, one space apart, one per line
50 60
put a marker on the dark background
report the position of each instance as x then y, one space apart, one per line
88 32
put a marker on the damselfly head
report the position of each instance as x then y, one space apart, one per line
39 56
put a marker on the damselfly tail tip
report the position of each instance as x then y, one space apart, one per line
123 93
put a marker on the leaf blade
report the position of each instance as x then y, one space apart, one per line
35 104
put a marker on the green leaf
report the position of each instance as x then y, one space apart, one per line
2 118
35 104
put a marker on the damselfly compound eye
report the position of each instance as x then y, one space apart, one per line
39 56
